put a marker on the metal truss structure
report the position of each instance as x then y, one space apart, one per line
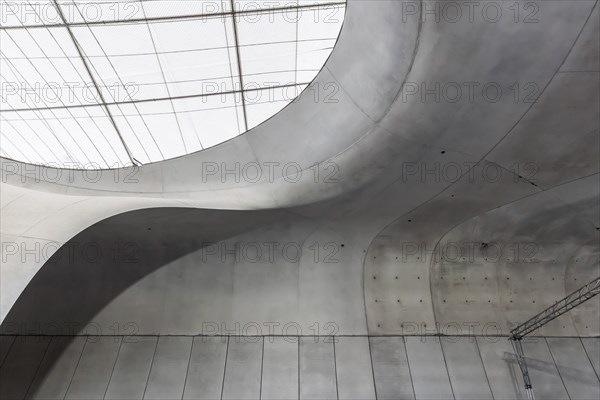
559 308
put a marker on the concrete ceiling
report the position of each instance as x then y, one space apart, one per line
395 160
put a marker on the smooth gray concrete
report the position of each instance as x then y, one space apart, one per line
353 368
385 129
20 365
428 368
243 368
575 368
206 369
465 368
57 368
317 368
526 181
280 368
501 368
390 368
94 368
169 368
545 376
592 349
132 369
5 344
474 368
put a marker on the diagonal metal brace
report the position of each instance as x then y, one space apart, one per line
559 308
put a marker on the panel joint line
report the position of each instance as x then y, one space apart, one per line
239 62
89 71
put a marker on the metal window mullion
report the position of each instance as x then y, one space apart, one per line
134 102
88 70
162 72
174 17
239 62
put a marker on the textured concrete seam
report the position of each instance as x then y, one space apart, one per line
411 65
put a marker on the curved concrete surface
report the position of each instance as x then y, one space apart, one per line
494 159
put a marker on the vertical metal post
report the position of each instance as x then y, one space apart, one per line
518 347
559 308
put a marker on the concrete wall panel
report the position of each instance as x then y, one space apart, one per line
132 369
585 55
391 369
430 52
592 348
582 267
437 368
317 369
5 344
353 366
428 368
545 377
207 368
501 368
504 266
57 368
169 368
575 368
20 366
280 369
94 369
465 368
243 370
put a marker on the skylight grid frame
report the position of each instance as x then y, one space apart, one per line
306 4
101 96
68 153
244 92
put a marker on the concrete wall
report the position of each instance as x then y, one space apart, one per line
266 367
371 136
494 268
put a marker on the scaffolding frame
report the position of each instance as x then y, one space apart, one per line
579 296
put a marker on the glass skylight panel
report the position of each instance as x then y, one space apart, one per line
253 5
268 48
29 143
94 11
318 28
11 13
39 74
28 13
212 119
267 27
49 132
136 133
185 35
263 104
19 43
57 42
311 57
53 121
324 22
183 8
96 136
182 72
163 125
269 65
122 80
116 40
326 4
71 145
195 55
124 72
130 81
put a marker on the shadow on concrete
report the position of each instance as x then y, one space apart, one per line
101 262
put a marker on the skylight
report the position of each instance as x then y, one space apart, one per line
105 84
